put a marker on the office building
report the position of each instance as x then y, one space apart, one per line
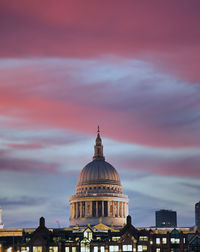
166 218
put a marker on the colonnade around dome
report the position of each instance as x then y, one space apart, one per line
98 209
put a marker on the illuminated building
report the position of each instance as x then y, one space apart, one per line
98 193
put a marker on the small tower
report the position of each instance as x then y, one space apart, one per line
1 223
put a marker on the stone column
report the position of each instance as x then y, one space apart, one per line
109 205
76 209
90 204
86 209
102 208
123 209
71 210
97 209
108 208
81 209
117 208
113 208
87 212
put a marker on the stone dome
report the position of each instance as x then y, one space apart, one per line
99 172
98 193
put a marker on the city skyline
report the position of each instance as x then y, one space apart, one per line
131 68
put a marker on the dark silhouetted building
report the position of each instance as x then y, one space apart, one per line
166 218
197 214
99 238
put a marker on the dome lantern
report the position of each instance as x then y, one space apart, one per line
98 148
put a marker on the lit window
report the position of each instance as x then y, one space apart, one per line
158 250
127 247
83 249
66 249
88 234
53 249
157 240
37 249
73 249
95 249
164 240
175 240
113 248
143 238
142 248
102 248
115 238
24 249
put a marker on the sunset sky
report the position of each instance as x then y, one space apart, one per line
132 67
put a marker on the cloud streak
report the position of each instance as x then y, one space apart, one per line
9 164
155 109
133 30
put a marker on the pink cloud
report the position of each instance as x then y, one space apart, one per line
25 146
179 166
164 33
27 166
144 113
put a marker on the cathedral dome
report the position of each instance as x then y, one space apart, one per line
98 193
99 172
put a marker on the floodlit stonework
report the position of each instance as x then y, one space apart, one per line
99 196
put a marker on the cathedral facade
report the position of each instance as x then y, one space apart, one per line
99 196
